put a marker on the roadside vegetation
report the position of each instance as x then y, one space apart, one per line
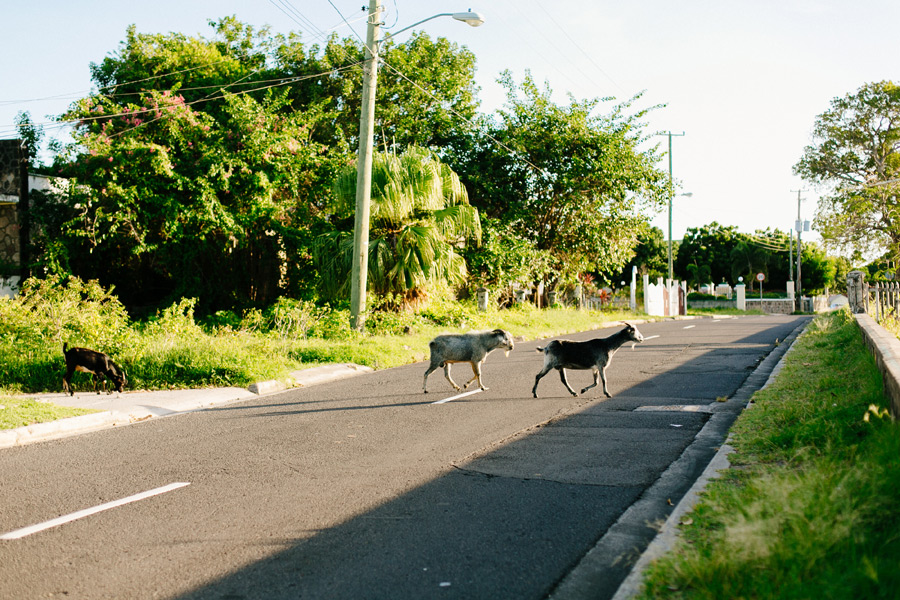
174 349
809 507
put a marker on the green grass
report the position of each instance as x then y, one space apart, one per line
173 350
20 412
809 509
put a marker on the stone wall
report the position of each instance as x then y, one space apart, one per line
775 306
885 347
10 184
9 238
10 188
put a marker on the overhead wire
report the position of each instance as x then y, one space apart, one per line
308 26
210 97
580 49
459 115
554 66
297 17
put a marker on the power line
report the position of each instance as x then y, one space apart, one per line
577 45
457 114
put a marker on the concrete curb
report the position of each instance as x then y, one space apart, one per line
885 347
56 429
619 549
200 401
668 535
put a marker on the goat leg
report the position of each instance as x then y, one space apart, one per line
562 377
476 369
596 380
603 376
537 378
450 379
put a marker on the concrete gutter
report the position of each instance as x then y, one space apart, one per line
625 536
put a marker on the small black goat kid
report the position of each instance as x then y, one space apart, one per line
593 354
472 348
99 365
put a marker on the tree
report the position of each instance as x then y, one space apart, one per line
204 167
707 248
650 256
570 179
172 198
855 159
420 217
426 88
747 259
504 259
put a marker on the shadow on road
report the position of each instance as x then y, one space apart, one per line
512 521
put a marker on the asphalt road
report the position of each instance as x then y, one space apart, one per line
365 488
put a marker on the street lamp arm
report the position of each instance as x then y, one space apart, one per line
473 19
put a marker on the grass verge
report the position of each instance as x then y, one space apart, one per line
174 351
21 412
809 508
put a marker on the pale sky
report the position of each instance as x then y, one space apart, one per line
744 80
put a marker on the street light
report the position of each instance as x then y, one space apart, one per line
359 273
671 196
687 195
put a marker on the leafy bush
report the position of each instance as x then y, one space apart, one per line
45 314
64 310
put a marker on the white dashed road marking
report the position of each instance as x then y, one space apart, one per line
457 397
26 531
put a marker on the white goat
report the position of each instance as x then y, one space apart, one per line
468 347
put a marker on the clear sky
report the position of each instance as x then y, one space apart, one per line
743 79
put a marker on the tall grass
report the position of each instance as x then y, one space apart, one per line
809 509
174 349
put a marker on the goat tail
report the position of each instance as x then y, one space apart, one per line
65 347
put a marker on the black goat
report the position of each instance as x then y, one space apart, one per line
593 354
99 365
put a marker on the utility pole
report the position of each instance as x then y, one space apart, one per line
671 196
359 274
791 257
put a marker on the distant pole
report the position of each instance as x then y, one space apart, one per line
791 257
799 227
671 197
